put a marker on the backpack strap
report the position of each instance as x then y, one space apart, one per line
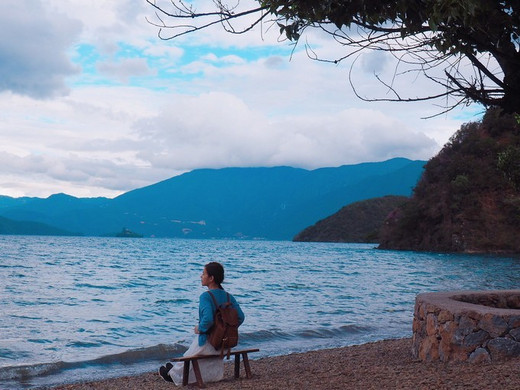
215 301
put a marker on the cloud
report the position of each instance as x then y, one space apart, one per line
374 62
219 130
81 144
43 175
125 69
275 62
33 49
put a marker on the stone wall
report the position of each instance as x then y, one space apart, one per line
475 326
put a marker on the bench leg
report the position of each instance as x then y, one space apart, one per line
186 373
246 365
237 365
198 376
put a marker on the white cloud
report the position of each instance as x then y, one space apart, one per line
218 130
374 62
125 69
33 48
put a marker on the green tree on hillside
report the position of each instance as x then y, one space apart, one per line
441 39
467 198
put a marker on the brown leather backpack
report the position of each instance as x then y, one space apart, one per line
223 335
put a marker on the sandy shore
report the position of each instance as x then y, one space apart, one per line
380 365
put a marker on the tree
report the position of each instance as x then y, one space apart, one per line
468 198
437 38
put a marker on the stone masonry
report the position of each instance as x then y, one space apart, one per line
475 326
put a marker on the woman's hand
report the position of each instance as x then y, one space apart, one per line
196 329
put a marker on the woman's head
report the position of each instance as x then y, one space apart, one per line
215 270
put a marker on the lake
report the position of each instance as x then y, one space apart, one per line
77 308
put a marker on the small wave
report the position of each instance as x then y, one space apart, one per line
9 354
90 285
84 344
40 341
333 332
318 333
25 372
22 317
176 301
296 286
157 352
265 335
96 320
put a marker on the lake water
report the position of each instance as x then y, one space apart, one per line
77 308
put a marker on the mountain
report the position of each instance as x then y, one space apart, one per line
468 199
266 203
8 226
356 222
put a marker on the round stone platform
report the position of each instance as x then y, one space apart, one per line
477 326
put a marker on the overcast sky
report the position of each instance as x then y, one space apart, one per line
94 104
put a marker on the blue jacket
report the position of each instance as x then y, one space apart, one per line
207 311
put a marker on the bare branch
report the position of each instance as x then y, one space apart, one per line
433 42
224 16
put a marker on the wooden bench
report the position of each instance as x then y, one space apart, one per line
196 370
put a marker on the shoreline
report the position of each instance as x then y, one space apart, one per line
386 364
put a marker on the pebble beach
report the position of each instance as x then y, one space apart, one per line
386 364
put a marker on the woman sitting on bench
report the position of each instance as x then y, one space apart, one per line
212 370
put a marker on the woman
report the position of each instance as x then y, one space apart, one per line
212 370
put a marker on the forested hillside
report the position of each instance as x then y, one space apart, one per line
468 198
356 222
30 228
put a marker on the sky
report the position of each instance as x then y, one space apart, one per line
93 103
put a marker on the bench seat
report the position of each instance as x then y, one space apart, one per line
196 370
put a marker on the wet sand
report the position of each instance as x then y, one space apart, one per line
384 364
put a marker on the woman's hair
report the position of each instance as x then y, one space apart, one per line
217 271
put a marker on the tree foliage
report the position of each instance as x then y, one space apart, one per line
468 198
469 47
356 222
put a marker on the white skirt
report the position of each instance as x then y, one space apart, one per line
211 370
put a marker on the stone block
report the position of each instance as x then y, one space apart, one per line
467 325
430 308
445 349
458 335
444 316
429 349
431 324
479 356
514 322
513 301
416 345
501 348
420 310
416 325
446 330
515 334
476 339
459 353
495 325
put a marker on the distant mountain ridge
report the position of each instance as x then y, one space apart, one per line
264 203
29 228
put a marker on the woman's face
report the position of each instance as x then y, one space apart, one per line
205 279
